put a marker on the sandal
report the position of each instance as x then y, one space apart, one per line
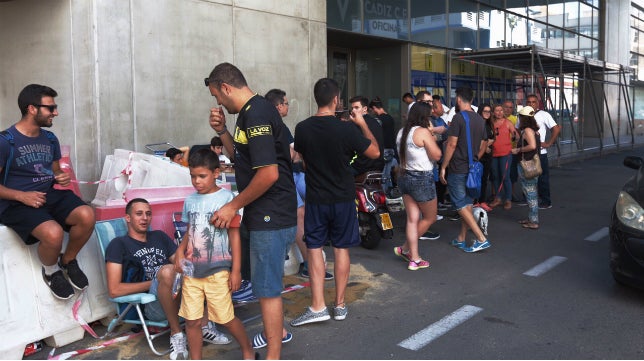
259 341
530 225
524 221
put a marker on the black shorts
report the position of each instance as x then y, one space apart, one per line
23 219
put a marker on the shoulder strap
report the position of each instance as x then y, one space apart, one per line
469 138
6 134
52 138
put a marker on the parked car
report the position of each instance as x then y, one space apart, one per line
627 229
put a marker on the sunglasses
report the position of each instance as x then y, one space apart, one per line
52 108
206 81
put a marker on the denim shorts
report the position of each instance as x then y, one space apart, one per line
153 310
300 187
267 252
419 185
456 188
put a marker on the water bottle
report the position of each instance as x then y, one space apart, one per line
176 286
188 270
187 267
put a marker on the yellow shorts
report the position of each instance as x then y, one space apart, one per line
214 289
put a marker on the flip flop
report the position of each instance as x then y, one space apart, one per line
530 226
259 341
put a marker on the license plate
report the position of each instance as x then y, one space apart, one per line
385 221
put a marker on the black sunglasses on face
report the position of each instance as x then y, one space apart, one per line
52 108
206 81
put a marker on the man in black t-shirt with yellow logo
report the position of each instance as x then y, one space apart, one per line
259 146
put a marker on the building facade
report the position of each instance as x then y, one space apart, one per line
577 56
130 72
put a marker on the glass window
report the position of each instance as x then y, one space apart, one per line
429 24
486 25
595 49
386 18
463 24
635 40
497 3
595 31
571 42
571 17
516 30
344 15
518 7
375 78
585 46
428 59
555 38
556 14
339 71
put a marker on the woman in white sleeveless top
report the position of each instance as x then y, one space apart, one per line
418 152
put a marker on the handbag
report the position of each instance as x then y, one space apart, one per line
531 167
475 171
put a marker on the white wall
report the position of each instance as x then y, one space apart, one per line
130 73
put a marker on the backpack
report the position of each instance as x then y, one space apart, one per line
6 134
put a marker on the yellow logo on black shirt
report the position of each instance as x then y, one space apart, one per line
240 136
259 130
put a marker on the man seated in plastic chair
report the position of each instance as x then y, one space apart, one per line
142 261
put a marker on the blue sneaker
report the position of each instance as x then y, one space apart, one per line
477 246
458 244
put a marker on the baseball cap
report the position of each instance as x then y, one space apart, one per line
527 110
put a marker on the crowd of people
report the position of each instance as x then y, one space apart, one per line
293 187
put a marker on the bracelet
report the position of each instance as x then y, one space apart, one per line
223 131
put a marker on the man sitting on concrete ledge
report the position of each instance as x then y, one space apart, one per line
29 165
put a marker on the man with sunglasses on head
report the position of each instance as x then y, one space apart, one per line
29 161
259 146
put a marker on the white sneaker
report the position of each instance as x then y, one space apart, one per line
178 348
212 335
439 217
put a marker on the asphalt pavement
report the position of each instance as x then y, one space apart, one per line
535 294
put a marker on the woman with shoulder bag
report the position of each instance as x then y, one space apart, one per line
527 146
418 152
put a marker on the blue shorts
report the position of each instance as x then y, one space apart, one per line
337 222
267 252
153 310
59 204
456 188
419 185
300 187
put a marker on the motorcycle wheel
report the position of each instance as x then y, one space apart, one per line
372 238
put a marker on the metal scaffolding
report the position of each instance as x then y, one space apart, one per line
544 72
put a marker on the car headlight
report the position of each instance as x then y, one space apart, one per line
629 212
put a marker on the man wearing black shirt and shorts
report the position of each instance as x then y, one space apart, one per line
327 144
260 150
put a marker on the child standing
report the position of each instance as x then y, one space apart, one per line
215 254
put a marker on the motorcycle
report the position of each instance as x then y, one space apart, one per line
373 215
